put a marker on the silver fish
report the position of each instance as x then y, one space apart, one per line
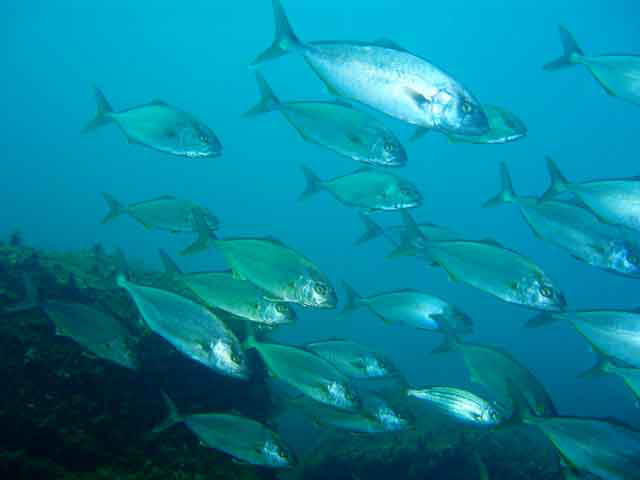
504 127
95 330
461 404
244 439
307 372
385 77
630 376
159 126
614 333
615 201
576 230
367 189
605 448
413 308
487 266
338 127
353 359
191 328
618 75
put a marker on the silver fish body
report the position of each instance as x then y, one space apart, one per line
353 359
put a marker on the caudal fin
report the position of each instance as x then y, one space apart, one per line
103 115
506 195
268 101
285 39
353 299
204 231
115 208
170 267
173 416
571 50
372 229
520 408
558 181
314 184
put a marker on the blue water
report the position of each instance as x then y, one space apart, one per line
194 54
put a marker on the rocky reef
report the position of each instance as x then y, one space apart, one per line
66 414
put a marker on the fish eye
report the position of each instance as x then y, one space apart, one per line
204 138
280 308
388 147
546 292
466 107
235 358
632 259
320 289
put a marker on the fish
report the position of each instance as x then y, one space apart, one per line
336 126
461 404
386 77
576 230
629 375
615 200
368 189
308 373
352 359
239 297
413 308
245 439
618 75
606 448
100 333
190 328
487 266
494 368
159 126
281 271
504 127
614 333
166 213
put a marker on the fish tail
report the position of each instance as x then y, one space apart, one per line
170 266
600 368
103 115
173 416
521 410
412 233
571 51
268 100
285 39
204 231
353 299
372 229
115 208
449 343
507 195
314 184
558 181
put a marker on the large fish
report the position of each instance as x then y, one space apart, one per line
98 332
338 127
190 327
494 368
413 308
244 439
576 230
504 127
619 75
367 189
486 266
461 404
159 126
605 448
385 77
353 359
614 333
307 372
615 200
284 273
233 295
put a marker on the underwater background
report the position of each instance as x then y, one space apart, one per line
195 54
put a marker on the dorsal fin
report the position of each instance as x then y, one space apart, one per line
388 43
157 101
491 241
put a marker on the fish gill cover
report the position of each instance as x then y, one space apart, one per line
125 132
